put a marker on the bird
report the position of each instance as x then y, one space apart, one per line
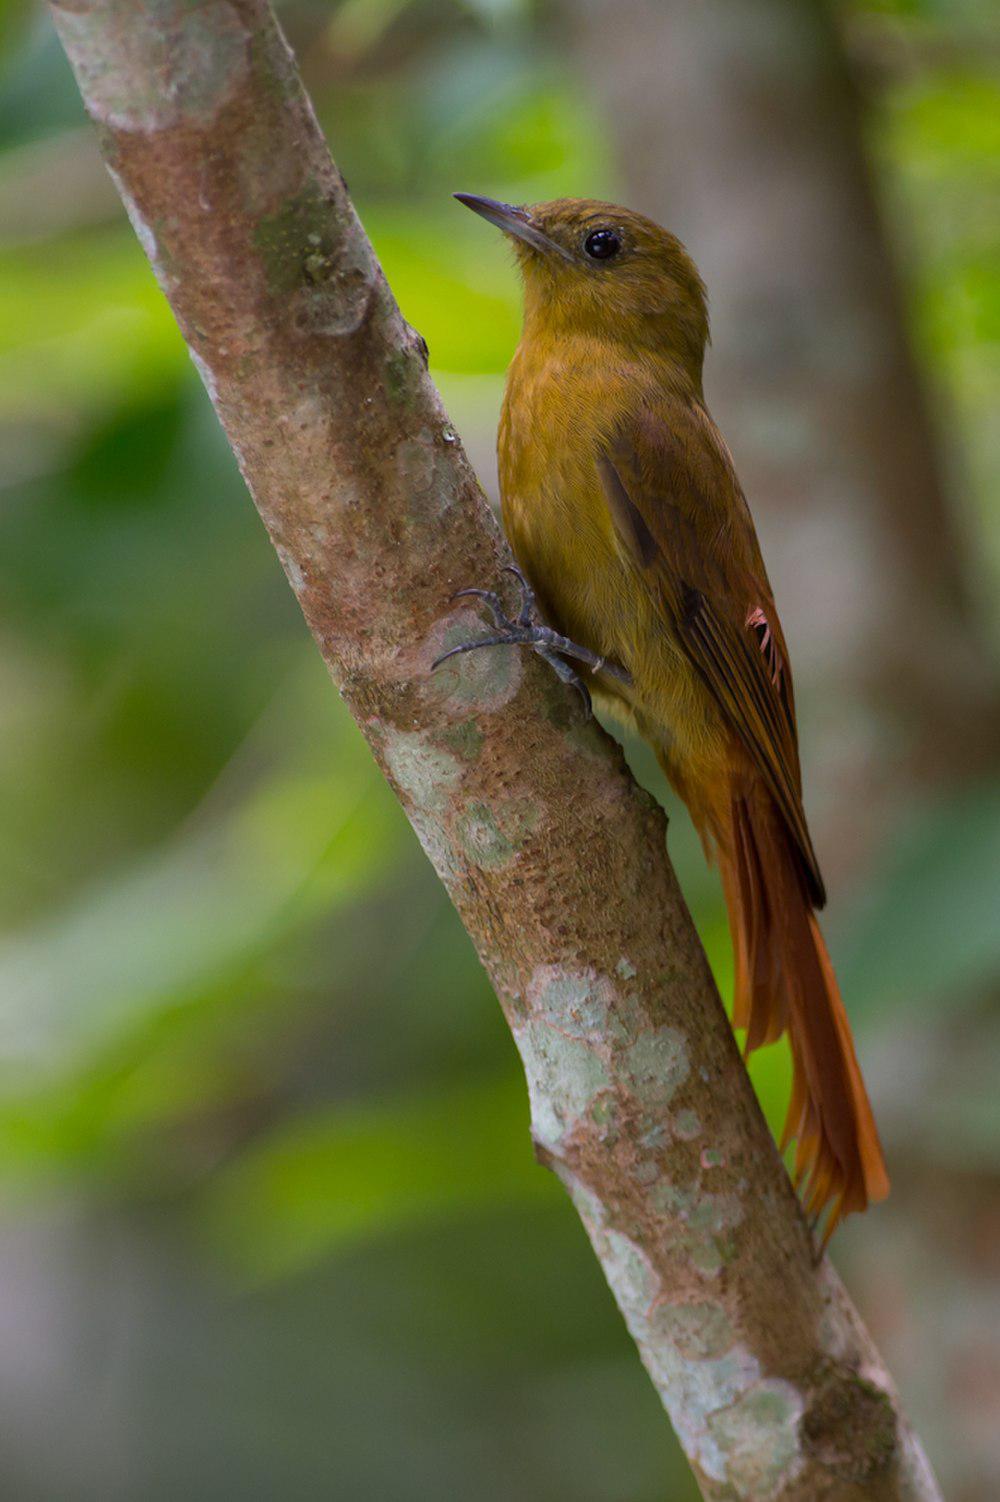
643 584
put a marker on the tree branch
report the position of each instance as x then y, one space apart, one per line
554 859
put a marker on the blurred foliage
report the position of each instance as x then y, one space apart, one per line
933 68
252 1080
941 881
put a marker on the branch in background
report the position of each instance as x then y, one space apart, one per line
814 382
815 386
554 859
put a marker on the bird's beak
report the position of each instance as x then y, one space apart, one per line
513 221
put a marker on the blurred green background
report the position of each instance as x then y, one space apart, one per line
271 1226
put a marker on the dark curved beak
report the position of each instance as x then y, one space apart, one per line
513 221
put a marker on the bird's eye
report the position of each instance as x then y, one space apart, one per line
602 244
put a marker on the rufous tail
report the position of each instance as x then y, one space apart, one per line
785 982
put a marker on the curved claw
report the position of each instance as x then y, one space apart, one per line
490 599
527 611
471 646
528 631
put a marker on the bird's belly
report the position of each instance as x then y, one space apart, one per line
590 592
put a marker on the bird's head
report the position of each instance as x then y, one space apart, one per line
592 267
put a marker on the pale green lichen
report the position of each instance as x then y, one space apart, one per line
740 1429
656 1065
465 739
436 845
588 1206
695 1387
706 1222
700 1331
671 1199
749 1443
425 773
715 1213
604 1115
564 1078
629 1272
578 1002
482 840
484 680
492 837
705 1255
758 1436
177 66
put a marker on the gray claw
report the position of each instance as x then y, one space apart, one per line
526 614
490 599
473 646
527 631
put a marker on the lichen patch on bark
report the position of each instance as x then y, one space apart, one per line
578 1003
738 1427
656 1064
484 680
178 67
425 773
483 839
565 1076
758 1438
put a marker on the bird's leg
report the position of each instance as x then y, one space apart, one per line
526 630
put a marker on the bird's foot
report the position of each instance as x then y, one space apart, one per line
526 630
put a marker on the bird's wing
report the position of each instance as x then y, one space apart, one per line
679 513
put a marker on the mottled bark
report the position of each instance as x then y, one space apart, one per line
555 861
736 124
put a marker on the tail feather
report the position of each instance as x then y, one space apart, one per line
785 982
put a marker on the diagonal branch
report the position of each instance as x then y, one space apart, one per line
554 859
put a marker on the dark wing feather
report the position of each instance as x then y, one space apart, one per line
678 511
